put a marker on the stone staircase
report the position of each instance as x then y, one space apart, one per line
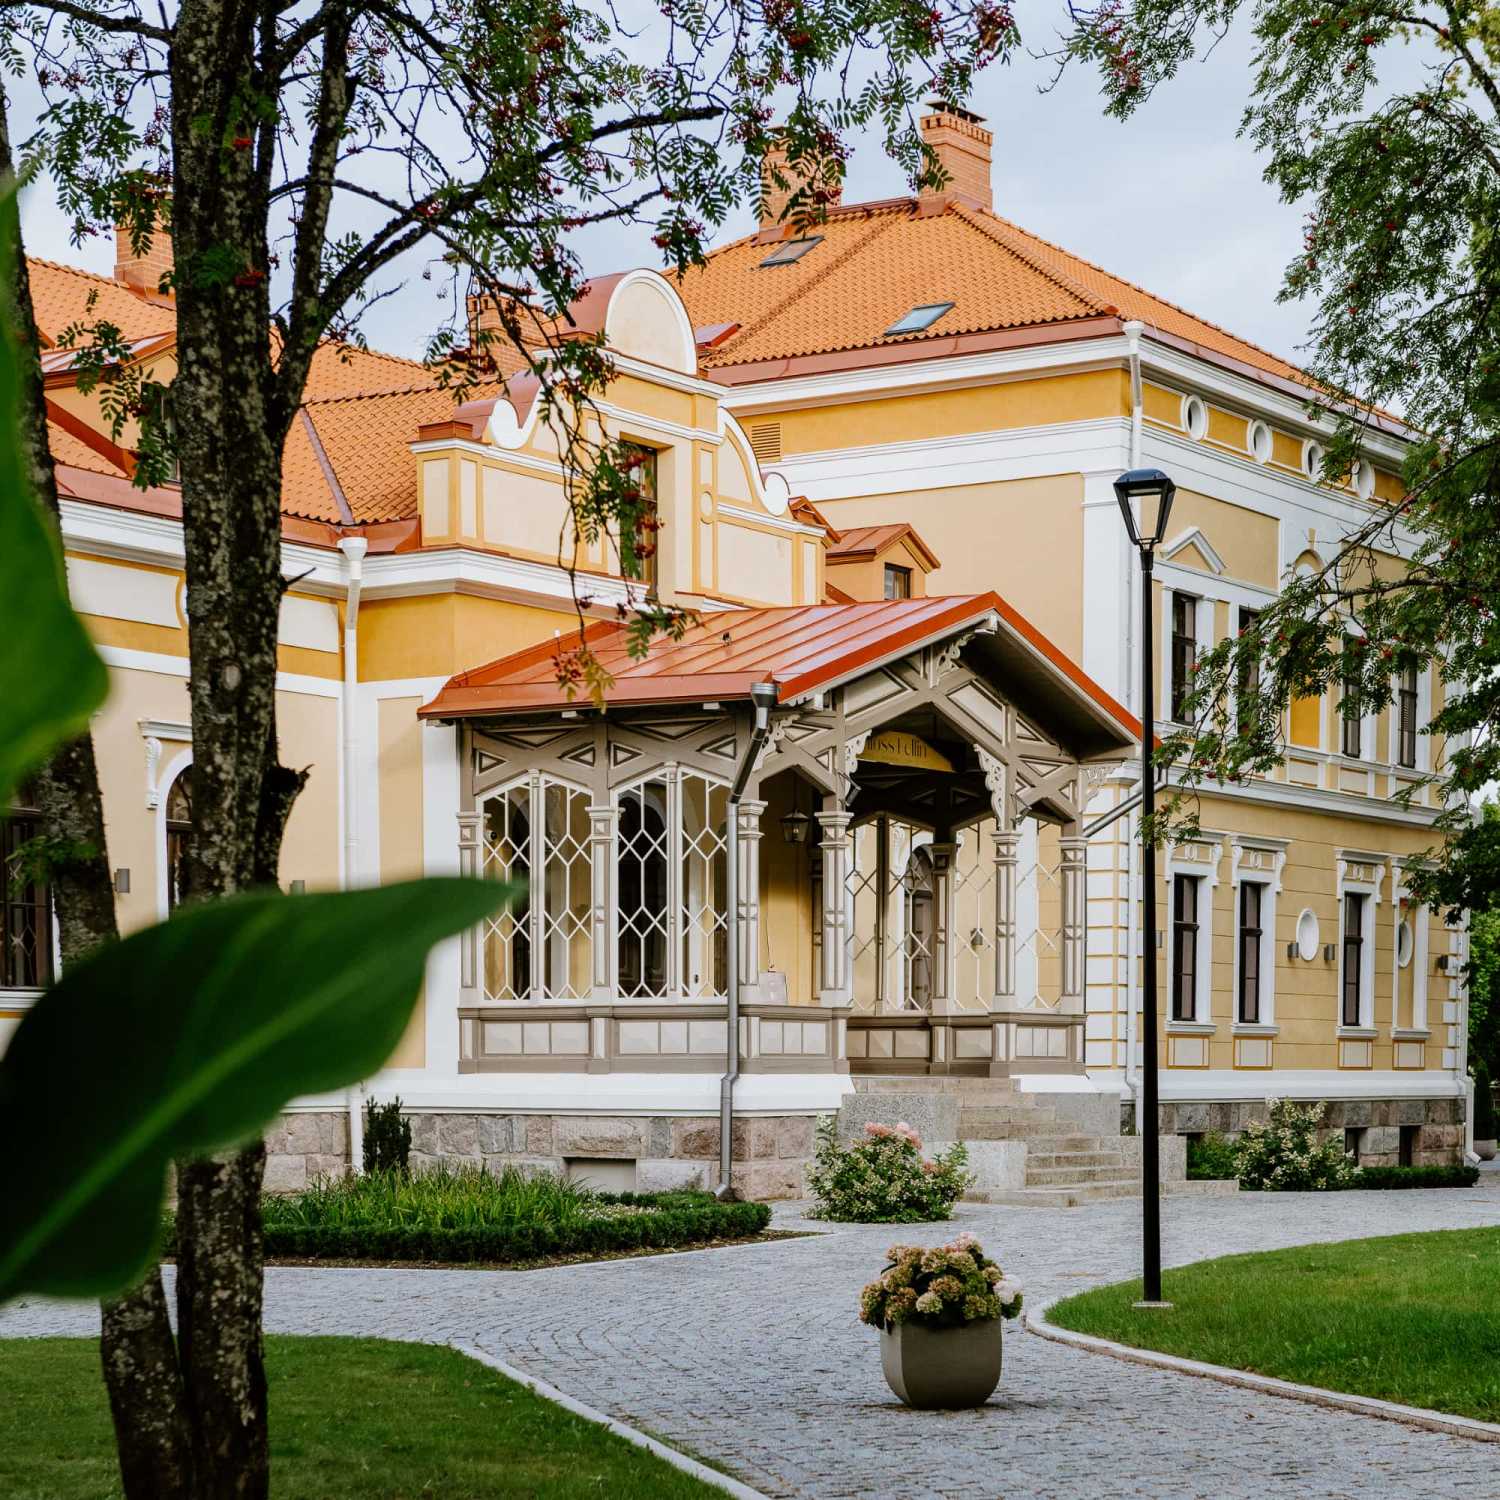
1053 1150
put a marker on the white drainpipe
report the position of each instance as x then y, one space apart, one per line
354 549
1133 331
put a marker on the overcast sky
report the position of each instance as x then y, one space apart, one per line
1172 199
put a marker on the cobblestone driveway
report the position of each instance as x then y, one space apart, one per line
752 1357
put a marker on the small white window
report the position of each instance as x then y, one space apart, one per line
1312 460
1260 442
1194 416
1362 478
1404 942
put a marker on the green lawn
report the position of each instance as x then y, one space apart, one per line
1414 1318
349 1418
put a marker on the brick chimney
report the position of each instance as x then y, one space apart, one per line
143 273
962 145
775 163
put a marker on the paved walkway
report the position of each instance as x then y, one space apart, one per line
753 1357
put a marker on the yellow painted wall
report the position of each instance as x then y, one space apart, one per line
1306 994
440 634
1023 538
1244 539
400 762
910 416
864 578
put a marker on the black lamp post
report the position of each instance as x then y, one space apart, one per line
1145 497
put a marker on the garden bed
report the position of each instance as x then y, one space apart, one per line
472 1217
1412 1318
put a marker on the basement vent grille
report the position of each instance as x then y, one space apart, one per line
765 443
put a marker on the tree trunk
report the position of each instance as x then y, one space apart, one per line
230 433
136 1347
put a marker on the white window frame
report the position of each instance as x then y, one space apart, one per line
1203 865
1203 632
1369 724
675 991
1420 918
1269 860
1352 880
1424 717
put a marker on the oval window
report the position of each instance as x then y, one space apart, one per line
1260 442
1194 416
1307 935
1362 478
1312 460
1404 942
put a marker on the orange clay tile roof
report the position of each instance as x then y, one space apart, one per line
878 261
366 440
339 369
862 542
67 449
60 296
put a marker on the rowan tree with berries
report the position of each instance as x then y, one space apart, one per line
483 136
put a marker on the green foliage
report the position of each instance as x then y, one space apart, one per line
441 1197
939 1287
185 1038
356 1419
1416 1177
1211 1156
1484 980
883 1178
1285 1155
387 1146
467 1215
1413 1318
1484 1103
51 678
1385 122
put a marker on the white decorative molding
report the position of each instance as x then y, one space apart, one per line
154 732
1194 537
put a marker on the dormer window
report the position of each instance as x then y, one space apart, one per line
918 319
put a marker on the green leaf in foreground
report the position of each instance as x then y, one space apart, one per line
51 678
187 1037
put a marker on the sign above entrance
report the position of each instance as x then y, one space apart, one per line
894 747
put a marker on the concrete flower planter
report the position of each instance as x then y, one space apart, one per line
941 1369
1484 1150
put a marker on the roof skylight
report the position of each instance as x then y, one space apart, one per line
918 319
792 250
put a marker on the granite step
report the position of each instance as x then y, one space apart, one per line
1076 1176
1042 1160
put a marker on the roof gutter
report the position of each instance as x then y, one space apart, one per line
1132 331
354 549
763 697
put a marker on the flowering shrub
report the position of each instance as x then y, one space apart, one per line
1284 1155
940 1288
884 1178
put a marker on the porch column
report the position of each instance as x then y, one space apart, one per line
1006 841
943 855
749 898
834 988
603 854
468 947
1074 920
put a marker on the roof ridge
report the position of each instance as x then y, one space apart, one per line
1135 286
1053 273
798 293
838 211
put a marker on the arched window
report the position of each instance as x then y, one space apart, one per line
179 826
536 834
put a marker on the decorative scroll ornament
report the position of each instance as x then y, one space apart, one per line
994 781
773 742
853 748
946 658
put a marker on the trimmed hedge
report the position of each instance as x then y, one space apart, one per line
1416 1177
666 1220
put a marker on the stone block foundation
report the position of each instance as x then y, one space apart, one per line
1439 1123
771 1152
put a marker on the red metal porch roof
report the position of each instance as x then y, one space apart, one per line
800 648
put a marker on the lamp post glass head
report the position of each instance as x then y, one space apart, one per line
1145 497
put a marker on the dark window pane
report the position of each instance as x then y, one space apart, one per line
1184 948
1353 996
26 907
1250 934
897 582
1184 649
1406 719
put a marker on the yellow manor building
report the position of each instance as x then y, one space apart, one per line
862 841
